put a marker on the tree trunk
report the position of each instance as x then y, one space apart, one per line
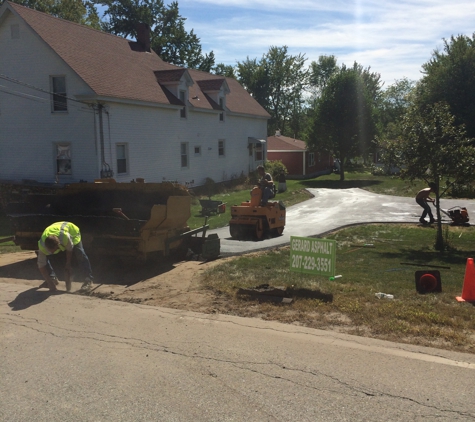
439 240
342 169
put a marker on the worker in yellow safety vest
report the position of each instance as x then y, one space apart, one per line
62 236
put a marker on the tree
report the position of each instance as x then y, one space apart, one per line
449 76
224 70
254 78
320 73
433 148
277 82
395 101
168 37
78 11
344 122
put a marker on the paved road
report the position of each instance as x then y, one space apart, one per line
73 358
333 208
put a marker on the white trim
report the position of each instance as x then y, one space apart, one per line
127 161
287 150
187 155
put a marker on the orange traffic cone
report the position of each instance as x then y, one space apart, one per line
468 291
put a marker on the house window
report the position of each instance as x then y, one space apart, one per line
63 159
311 159
121 156
184 154
58 87
221 115
258 152
221 147
198 150
183 100
15 31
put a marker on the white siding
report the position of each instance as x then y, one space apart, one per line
154 136
28 128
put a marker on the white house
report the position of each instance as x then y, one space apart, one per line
80 104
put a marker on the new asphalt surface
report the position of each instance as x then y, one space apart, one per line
330 209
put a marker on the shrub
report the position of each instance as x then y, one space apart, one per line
275 168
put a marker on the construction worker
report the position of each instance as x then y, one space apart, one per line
266 184
62 236
422 198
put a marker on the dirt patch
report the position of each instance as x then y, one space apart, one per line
174 285
178 288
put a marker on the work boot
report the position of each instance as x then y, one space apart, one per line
45 285
87 284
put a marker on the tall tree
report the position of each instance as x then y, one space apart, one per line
433 148
320 73
395 101
168 36
371 80
224 70
449 76
78 11
277 82
344 122
253 75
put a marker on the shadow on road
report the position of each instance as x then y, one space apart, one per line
30 297
105 270
26 270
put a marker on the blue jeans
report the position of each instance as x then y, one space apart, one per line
427 210
82 259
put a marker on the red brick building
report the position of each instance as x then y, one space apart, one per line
293 153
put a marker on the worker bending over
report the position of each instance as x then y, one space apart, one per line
62 236
422 198
266 184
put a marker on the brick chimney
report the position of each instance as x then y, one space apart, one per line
143 36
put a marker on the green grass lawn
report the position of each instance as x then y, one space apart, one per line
435 319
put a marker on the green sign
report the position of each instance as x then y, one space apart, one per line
312 256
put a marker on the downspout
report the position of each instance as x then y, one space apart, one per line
101 132
95 128
303 163
106 171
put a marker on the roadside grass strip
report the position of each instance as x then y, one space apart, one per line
371 259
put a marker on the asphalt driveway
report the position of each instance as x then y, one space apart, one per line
330 209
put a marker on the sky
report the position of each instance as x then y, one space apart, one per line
394 38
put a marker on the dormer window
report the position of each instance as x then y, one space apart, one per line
183 100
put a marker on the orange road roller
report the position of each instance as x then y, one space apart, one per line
251 220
